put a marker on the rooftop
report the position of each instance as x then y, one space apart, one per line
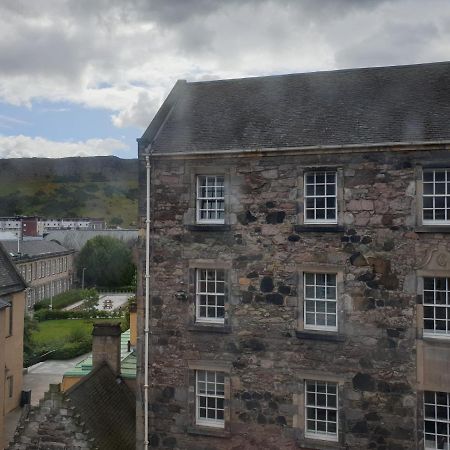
128 361
377 105
33 248
10 280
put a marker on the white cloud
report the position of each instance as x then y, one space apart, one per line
28 147
125 55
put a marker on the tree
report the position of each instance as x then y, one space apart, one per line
107 262
90 302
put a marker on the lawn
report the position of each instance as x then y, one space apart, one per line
58 331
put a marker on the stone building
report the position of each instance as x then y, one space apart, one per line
46 266
300 262
12 305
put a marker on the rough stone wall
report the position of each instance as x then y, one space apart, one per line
52 425
377 249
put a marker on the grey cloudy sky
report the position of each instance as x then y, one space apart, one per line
123 56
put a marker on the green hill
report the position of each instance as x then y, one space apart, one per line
104 186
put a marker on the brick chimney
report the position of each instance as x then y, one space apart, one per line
106 345
133 324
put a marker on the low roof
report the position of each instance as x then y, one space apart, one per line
376 105
34 248
107 407
10 280
127 364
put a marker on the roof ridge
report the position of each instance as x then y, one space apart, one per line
316 72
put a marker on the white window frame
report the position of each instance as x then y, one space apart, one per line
215 397
433 195
428 405
326 300
323 196
446 306
216 198
199 293
324 436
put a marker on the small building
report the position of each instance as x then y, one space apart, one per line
47 267
12 305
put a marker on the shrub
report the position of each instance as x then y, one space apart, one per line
72 350
64 299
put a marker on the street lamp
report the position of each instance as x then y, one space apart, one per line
82 278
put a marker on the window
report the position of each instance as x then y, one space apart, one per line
320 301
320 197
210 296
436 197
436 306
436 420
210 199
321 410
210 398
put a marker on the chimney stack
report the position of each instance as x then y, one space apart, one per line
106 345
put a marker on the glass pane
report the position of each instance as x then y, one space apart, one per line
321 400
320 307
320 319
311 425
309 306
320 177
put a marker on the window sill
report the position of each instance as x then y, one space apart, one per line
198 430
432 229
209 328
317 444
436 337
208 227
319 228
320 336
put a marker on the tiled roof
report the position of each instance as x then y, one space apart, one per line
33 248
397 104
107 407
10 280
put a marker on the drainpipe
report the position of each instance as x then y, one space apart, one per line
147 297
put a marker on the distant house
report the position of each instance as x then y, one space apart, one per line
46 266
12 304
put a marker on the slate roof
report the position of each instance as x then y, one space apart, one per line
397 104
107 407
34 248
10 280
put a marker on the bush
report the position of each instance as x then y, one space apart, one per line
72 349
64 299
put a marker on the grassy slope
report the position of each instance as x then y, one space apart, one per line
113 198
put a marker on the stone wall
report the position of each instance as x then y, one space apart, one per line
373 356
52 425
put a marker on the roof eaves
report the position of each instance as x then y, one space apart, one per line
443 144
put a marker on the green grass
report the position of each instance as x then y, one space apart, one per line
57 331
